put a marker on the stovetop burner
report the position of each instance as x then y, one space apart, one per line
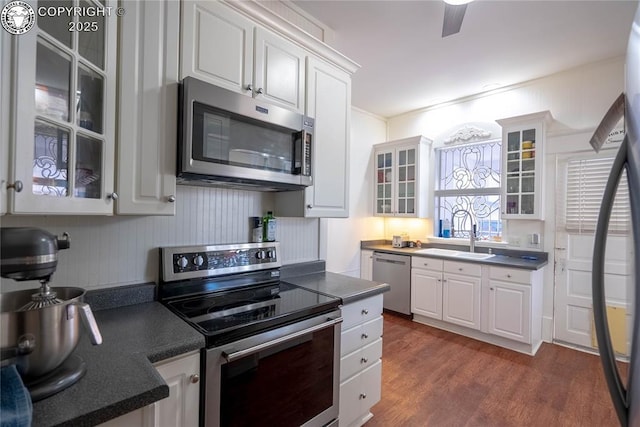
226 304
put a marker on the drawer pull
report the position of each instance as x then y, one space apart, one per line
460 269
509 276
364 360
364 336
365 311
363 396
194 378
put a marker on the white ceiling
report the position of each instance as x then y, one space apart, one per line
406 65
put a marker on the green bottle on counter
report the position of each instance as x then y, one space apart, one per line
269 227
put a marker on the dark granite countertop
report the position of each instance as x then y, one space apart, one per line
347 288
120 376
503 257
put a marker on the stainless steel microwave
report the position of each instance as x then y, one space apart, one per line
231 139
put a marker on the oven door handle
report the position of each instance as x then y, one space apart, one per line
230 357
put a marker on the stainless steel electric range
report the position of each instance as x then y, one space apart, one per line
272 351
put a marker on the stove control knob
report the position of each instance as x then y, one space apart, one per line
182 261
271 254
260 254
198 260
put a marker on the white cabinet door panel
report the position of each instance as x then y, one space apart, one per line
426 293
461 300
510 310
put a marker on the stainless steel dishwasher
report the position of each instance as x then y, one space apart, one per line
394 270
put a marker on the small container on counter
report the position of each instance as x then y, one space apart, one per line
256 229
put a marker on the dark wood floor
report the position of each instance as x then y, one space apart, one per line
434 378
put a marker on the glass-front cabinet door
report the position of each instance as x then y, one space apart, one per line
65 104
398 180
384 168
522 153
406 183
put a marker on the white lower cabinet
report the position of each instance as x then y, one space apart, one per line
181 408
499 305
426 287
360 360
461 285
366 265
510 304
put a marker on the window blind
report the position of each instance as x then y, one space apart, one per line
586 180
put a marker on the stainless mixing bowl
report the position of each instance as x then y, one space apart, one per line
39 340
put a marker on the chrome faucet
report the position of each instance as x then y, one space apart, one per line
472 232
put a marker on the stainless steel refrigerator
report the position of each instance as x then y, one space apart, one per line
625 400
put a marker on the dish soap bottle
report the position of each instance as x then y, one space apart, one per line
446 228
269 227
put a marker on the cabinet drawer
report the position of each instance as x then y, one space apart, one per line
465 268
360 335
510 275
359 393
361 311
428 263
360 359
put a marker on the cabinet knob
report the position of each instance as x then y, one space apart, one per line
171 198
248 88
112 196
491 288
439 280
194 378
365 311
460 269
309 206
364 336
17 186
259 91
364 360
363 396
509 276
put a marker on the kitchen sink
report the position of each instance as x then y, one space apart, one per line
454 254
473 255
438 251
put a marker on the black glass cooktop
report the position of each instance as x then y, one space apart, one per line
226 316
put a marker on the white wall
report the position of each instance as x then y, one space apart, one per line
576 98
120 250
345 234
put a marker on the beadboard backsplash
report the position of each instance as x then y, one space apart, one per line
121 250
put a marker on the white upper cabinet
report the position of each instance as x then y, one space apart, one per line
224 48
401 177
148 103
523 161
63 135
329 103
217 45
279 71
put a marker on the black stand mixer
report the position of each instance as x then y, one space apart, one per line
40 330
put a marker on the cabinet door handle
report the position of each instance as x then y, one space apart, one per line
364 336
491 288
364 360
309 206
17 186
365 311
439 280
248 88
194 378
259 91
460 269
171 198
112 196
363 396
509 276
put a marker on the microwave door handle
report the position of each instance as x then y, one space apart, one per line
616 388
298 152
230 357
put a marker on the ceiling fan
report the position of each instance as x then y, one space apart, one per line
453 14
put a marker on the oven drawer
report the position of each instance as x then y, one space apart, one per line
361 311
360 359
360 335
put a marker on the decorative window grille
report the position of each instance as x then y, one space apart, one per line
468 189
586 180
